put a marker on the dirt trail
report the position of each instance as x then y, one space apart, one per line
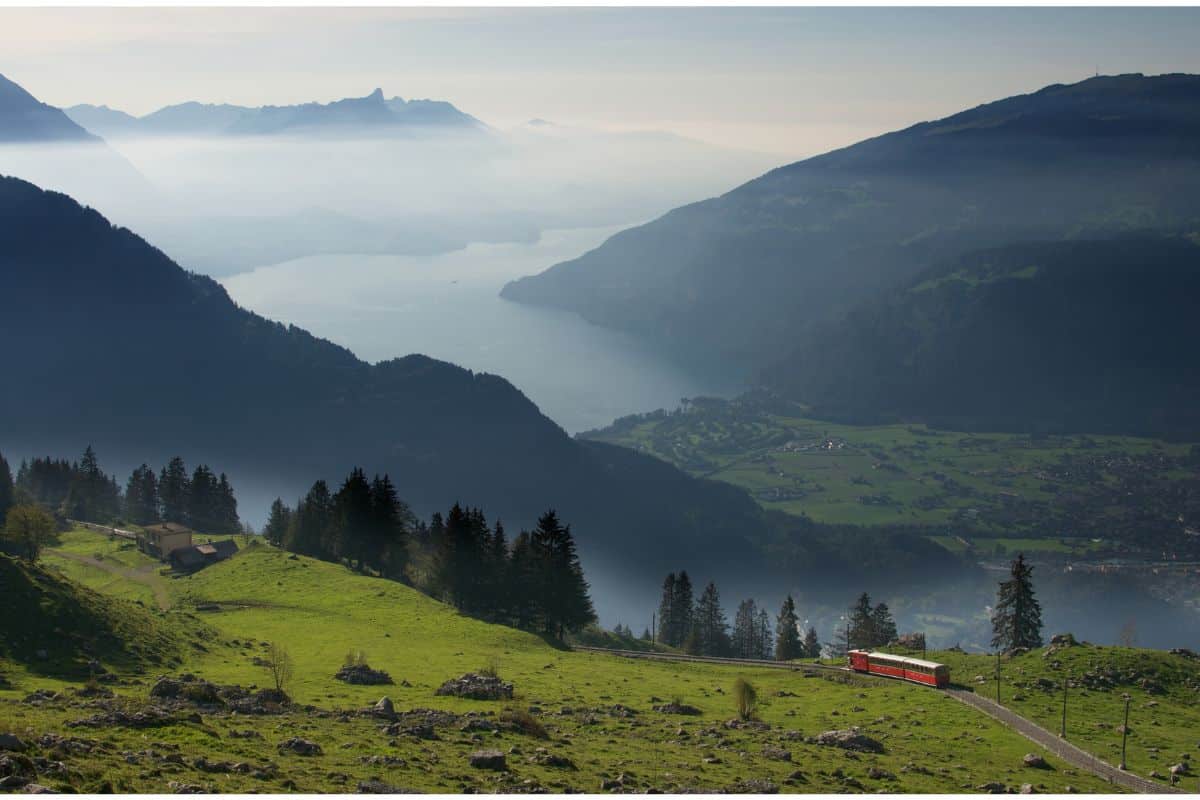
146 575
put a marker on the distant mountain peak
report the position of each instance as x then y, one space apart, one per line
24 118
376 96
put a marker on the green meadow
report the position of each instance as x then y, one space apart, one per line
594 710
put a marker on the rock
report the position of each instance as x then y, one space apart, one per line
678 708
851 739
1069 789
1027 788
37 788
992 788
188 688
1034 761
880 774
11 743
186 788
1063 640
477 687
1179 769
1155 774
776 753
488 759
753 786
552 760
1185 652
301 747
384 708
379 787
363 675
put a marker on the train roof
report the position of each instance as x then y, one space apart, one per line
916 662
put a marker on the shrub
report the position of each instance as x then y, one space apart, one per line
490 670
524 722
355 658
746 697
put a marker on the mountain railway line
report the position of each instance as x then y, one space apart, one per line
1068 752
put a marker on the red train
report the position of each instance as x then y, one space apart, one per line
916 670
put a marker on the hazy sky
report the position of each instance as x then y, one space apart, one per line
789 81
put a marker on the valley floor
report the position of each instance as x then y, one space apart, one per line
578 721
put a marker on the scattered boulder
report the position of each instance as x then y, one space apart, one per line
1034 761
16 771
676 707
992 787
363 675
477 687
1027 788
880 774
37 788
188 688
1063 640
384 708
547 759
1185 652
301 747
488 759
753 786
11 743
851 739
777 753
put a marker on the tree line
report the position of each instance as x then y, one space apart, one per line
536 583
700 627
81 490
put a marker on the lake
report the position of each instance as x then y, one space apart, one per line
448 307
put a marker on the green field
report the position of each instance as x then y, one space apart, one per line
1047 493
321 611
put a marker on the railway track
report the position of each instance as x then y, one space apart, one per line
1068 752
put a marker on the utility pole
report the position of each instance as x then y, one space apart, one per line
1063 732
1125 731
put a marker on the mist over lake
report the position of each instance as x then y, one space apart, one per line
448 306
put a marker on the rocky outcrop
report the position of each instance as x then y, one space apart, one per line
477 687
301 747
363 675
488 759
851 739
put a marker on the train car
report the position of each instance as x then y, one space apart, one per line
929 673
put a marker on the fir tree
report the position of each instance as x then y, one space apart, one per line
309 525
860 628
711 626
227 513
565 604
683 611
745 624
277 523
173 491
787 633
883 627
1017 620
812 646
763 635
7 489
665 610
141 496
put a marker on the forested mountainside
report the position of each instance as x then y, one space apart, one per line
1064 336
110 342
742 278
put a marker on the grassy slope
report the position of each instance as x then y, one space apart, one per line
321 610
1163 724
914 474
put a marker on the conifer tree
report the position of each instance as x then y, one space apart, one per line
665 610
522 572
711 626
309 525
745 624
1017 620
227 514
812 646
141 496
787 632
392 522
173 491
7 489
277 522
860 627
352 522
564 601
883 627
683 610
763 635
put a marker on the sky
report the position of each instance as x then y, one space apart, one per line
790 82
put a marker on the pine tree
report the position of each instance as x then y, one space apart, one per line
763 634
1017 620
860 627
565 604
711 626
812 646
7 489
277 523
883 627
787 633
683 610
349 536
745 624
392 522
141 496
91 495
203 501
173 491
522 572
309 525
227 513
665 610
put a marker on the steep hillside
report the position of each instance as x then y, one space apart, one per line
24 119
576 721
1086 336
740 278
112 343
54 627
